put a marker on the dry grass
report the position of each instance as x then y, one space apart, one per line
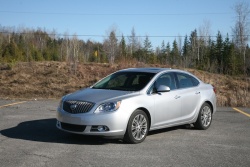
54 79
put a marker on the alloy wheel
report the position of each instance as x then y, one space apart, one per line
206 116
139 127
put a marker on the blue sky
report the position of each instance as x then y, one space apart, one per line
167 18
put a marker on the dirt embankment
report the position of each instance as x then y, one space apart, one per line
37 80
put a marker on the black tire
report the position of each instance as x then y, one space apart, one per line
137 128
204 119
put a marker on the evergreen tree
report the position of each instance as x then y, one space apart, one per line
193 48
227 57
147 49
147 46
174 56
162 53
219 52
163 47
213 66
186 50
168 52
123 47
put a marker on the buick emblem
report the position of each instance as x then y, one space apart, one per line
73 107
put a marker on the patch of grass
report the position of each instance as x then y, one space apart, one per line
54 79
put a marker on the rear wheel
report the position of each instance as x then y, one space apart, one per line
137 128
204 119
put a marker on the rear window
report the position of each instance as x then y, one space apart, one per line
186 81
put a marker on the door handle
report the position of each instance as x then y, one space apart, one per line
177 97
197 93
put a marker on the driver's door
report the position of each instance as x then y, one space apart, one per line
167 105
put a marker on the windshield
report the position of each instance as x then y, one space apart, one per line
126 81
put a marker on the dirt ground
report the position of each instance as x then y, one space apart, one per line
44 80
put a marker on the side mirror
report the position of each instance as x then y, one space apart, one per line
163 88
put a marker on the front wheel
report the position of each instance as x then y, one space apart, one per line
204 119
137 128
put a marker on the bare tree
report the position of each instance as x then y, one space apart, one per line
241 28
53 34
180 44
134 43
75 50
111 46
203 41
66 46
205 32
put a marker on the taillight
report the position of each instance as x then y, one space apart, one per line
214 89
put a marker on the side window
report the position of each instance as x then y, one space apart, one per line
166 79
186 81
195 81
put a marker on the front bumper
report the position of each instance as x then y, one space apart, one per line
88 123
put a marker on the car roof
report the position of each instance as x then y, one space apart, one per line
148 69
157 70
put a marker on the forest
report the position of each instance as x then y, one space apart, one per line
228 54
216 55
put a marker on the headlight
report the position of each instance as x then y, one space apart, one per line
108 107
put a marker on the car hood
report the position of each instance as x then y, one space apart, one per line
99 95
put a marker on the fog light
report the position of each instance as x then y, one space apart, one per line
102 128
99 128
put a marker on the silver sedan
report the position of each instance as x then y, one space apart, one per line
130 102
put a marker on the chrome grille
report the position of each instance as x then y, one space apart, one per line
76 107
